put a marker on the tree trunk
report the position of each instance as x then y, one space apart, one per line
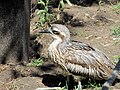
14 31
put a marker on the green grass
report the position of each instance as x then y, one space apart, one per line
62 4
90 85
115 59
116 31
116 8
36 62
44 15
93 85
101 3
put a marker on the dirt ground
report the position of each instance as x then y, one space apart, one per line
90 25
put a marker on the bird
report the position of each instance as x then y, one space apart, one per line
76 58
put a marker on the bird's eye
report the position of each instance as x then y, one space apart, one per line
55 32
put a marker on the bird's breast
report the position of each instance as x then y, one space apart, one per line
52 51
56 54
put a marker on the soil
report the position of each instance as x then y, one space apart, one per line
90 25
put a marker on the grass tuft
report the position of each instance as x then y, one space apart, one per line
116 31
116 8
36 62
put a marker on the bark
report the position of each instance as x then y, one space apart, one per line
14 31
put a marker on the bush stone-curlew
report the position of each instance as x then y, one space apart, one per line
77 58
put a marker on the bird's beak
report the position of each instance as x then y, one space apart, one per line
44 31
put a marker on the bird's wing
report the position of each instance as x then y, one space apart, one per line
83 59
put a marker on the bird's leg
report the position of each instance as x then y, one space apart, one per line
68 81
78 80
79 86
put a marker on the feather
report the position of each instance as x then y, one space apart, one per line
76 57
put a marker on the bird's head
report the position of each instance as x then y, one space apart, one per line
58 32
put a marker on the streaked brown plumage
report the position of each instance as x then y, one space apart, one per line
75 57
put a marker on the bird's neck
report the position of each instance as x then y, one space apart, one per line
57 43
54 44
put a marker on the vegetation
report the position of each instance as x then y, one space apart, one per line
94 86
101 3
91 85
62 4
116 33
116 8
36 62
44 15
